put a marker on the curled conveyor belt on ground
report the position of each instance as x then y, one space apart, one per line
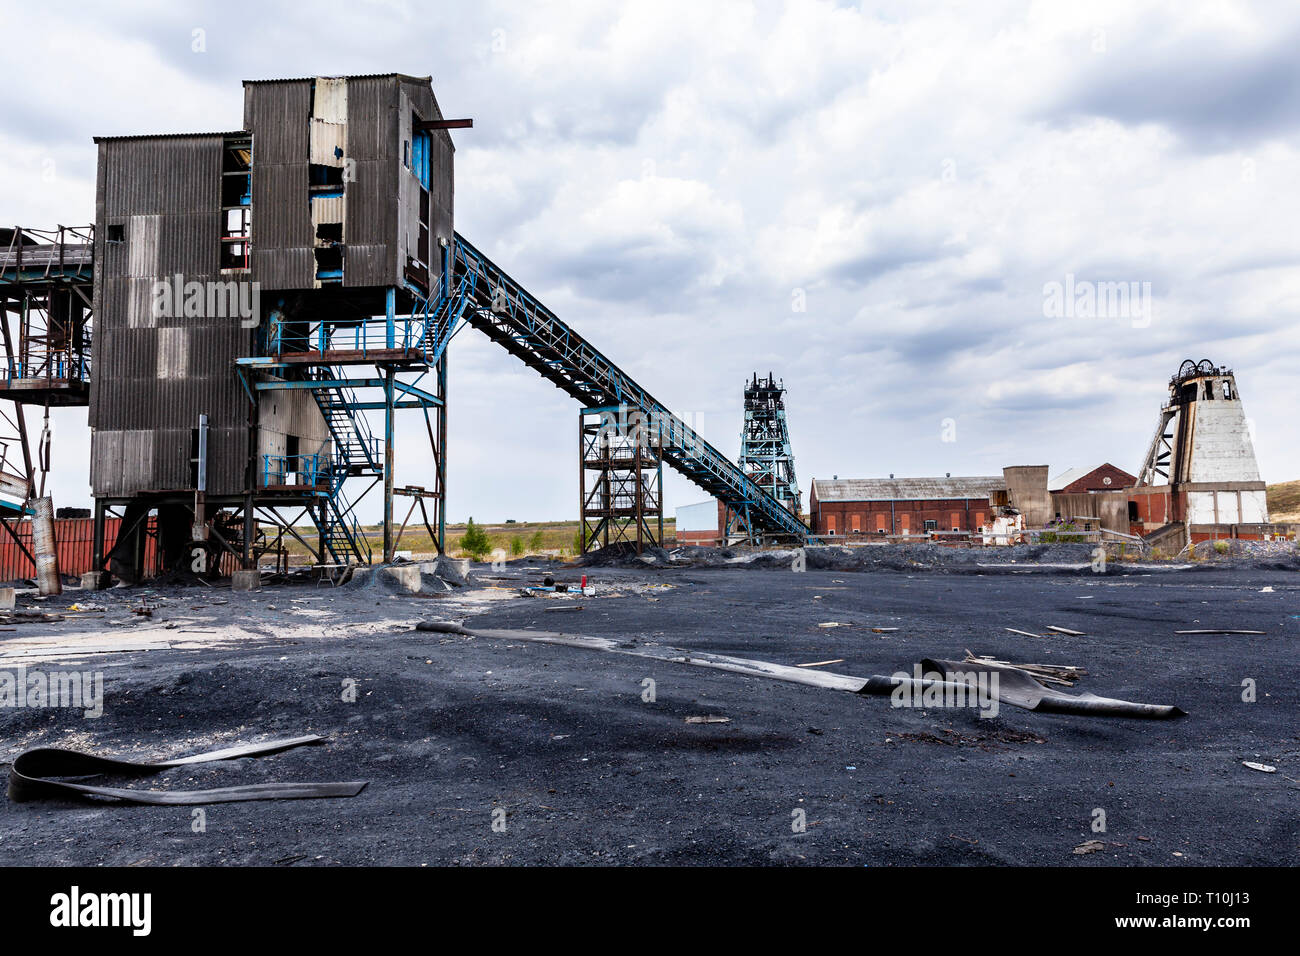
1014 686
33 777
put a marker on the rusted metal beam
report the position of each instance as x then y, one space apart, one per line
424 126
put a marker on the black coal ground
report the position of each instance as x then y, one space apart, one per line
448 729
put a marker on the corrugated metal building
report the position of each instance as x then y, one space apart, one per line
334 201
329 154
321 203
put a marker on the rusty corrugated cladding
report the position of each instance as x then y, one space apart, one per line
374 155
441 169
155 374
278 114
424 104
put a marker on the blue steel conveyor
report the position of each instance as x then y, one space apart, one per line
480 293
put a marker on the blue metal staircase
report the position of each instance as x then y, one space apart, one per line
356 450
317 356
341 533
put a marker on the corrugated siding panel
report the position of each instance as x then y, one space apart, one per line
282 224
327 209
278 115
75 541
376 153
75 544
328 141
372 130
155 375
330 101
441 173
372 222
368 265
441 194
285 263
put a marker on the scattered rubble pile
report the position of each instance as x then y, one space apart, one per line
430 578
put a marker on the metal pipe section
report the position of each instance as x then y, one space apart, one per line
47 555
200 530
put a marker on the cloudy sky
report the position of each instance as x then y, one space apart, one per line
870 200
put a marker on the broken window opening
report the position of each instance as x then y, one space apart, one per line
329 231
236 204
329 263
325 180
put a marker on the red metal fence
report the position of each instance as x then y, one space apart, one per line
76 544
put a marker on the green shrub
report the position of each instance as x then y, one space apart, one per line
1222 547
474 541
537 542
516 546
1059 533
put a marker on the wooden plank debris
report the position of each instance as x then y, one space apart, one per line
1063 674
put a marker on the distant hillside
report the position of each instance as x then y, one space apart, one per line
1284 501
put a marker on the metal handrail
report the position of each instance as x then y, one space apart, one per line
312 468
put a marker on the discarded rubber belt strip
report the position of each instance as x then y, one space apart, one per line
1016 687
30 776
1021 688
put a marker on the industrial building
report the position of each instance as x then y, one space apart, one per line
1105 477
256 294
945 507
241 281
900 506
247 299
1199 479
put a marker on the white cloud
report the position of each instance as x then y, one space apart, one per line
664 175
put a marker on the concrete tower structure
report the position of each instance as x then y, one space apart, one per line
1200 469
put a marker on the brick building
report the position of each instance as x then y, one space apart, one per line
1081 480
891 506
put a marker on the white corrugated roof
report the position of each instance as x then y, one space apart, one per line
906 489
1068 476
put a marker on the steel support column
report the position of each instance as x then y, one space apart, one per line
388 463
